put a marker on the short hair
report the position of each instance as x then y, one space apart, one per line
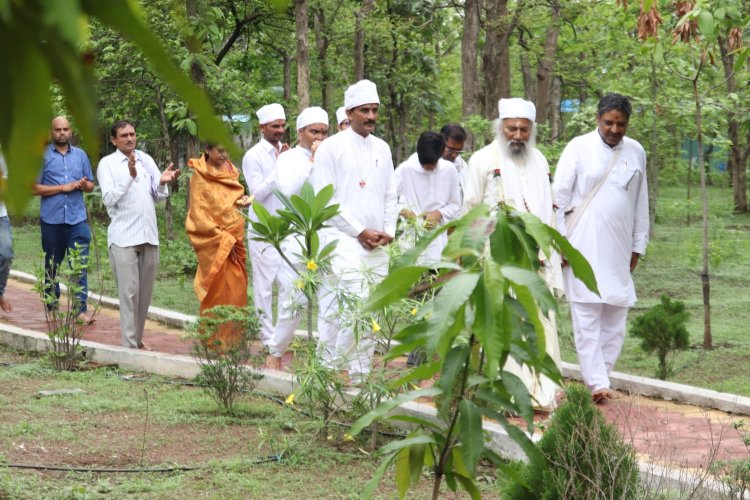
453 131
430 147
614 101
118 125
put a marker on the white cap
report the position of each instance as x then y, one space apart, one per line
361 93
516 108
310 116
340 115
269 113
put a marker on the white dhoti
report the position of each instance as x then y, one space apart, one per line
599 332
265 262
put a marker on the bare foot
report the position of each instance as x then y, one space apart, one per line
145 347
5 305
273 363
601 395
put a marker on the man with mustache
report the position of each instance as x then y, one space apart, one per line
360 168
259 169
131 184
600 187
66 175
512 171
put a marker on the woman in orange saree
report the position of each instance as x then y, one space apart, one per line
217 230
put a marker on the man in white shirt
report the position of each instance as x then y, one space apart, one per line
131 184
512 171
293 170
259 169
428 192
342 121
600 187
455 138
360 168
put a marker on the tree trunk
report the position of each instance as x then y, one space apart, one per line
287 76
529 89
652 172
469 65
322 42
555 120
545 67
495 74
705 280
359 38
197 73
303 57
736 163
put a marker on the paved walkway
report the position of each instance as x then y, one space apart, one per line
666 434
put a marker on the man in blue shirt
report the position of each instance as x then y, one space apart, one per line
65 177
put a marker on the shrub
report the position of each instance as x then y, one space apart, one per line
662 330
222 346
585 457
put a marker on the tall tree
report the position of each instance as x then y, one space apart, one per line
303 57
359 38
469 65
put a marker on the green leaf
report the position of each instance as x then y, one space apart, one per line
706 23
406 443
468 485
454 362
387 406
647 5
417 421
719 13
372 484
537 230
578 263
471 434
451 298
393 288
416 462
488 299
403 472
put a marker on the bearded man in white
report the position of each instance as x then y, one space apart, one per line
293 169
259 169
600 186
360 168
512 171
429 191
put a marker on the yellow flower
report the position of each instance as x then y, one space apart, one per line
348 437
299 284
290 399
311 265
375 326
414 312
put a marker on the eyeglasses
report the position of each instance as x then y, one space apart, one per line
452 150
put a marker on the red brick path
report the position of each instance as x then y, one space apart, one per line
665 433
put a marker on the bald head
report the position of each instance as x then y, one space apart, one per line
60 130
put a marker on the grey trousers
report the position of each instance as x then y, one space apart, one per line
134 269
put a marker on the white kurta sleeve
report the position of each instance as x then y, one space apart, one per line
452 208
565 179
391 202
641 220
252 168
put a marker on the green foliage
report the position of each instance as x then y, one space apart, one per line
222 345
488 309
584 457
64 329
662 330
42 42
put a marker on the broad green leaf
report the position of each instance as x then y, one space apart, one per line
578 263
533 282
467 483
387 406
532 451
647 5
454 364
451 298
416 462
417 421
520 393
537 230
706 23
424 371
719 13
406 443
488 299
471 434
403 472
372 484
393 288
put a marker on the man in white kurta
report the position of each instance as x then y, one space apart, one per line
428 190
511 170
259 169
455 139
360 168
611 231
293 169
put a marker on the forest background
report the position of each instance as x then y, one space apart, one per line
683 63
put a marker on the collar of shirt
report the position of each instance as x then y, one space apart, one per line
358 139
268 147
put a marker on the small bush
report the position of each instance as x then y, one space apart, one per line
586 457
222 346
662 330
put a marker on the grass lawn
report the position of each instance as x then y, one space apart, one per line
155 422
671 266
